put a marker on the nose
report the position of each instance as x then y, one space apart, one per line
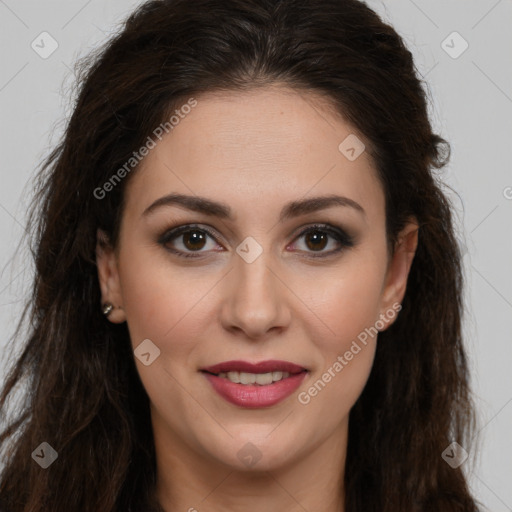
255 299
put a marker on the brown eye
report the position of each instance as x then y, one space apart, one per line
186 240
194 240
316 240
191 241
318 237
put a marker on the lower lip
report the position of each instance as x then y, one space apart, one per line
255 396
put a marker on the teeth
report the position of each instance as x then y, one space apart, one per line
234 377
247 378
278 376
261 379
264 378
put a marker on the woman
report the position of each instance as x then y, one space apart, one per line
241 206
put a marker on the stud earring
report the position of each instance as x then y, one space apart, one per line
107 308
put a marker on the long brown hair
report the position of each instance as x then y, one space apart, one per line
84 396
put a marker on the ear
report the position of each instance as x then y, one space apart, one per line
398 269
106 261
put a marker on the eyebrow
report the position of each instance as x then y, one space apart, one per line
223 211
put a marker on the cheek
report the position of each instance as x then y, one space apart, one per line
172 307
167 307
160 299
347 300
348 304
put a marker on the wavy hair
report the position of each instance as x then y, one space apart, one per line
83 393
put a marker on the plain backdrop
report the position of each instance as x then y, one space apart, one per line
464 52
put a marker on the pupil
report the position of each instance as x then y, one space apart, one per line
317 236
193 237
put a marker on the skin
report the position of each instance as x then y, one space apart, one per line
255 151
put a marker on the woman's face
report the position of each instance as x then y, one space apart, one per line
259 283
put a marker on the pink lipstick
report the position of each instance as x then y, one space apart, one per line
255 385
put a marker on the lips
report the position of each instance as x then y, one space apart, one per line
281 379
261 367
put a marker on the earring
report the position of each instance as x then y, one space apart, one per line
107 308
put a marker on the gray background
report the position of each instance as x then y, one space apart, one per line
471 106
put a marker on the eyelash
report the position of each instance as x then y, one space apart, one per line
345 240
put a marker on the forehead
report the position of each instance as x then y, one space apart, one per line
252 148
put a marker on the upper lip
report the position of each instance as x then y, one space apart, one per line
261 367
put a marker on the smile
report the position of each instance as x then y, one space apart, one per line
257 385
261 379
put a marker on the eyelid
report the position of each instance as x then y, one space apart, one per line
328 228
342 237
175 232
